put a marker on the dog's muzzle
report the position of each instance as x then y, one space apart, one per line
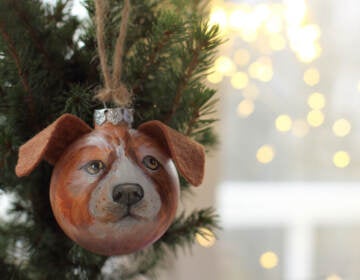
127 194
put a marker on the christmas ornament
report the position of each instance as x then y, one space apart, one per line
114 190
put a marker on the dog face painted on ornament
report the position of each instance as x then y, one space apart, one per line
113 190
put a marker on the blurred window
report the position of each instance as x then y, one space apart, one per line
290 97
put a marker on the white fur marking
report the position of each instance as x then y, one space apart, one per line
124 170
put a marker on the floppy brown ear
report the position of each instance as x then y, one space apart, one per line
188 155
50 143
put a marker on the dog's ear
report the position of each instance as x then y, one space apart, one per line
188 155
50 143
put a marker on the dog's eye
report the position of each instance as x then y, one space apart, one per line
94 167
151 163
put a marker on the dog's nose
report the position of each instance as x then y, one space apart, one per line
127 194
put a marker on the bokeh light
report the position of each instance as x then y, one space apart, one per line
312 76
315 118
261 69
239 80
341 159
215 77
224 65
218 16
341 127
262 11
205 238
265 34
265 154
283 123
277 42
303 41
245 108
269 260
295 12
236 19
316 101
308 53
274 24
333 277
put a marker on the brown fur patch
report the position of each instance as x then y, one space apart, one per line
188 155
50 143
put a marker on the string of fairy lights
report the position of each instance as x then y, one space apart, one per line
270 28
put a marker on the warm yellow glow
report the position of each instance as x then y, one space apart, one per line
262 69
239 80
341 127
277 42
333 277
278 9
242 57
269 260
250 92
252 22
245 108
265 154
254 69
300 128
312 31
283 123
316 101
249 35
218 17
236 19
205 238
315 118
295 11
341 159
262 12
215 77
265 74
245 7
224 65
247 22
311 76
274 24
303 41
308 52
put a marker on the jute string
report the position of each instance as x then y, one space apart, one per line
114 89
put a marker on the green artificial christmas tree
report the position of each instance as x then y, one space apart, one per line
49 66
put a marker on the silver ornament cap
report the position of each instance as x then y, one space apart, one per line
114 116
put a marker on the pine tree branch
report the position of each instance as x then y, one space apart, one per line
184 82
178 46
149 262
23 16
22 73
16 58
2 92
192 122
202 107
183 230
146 69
